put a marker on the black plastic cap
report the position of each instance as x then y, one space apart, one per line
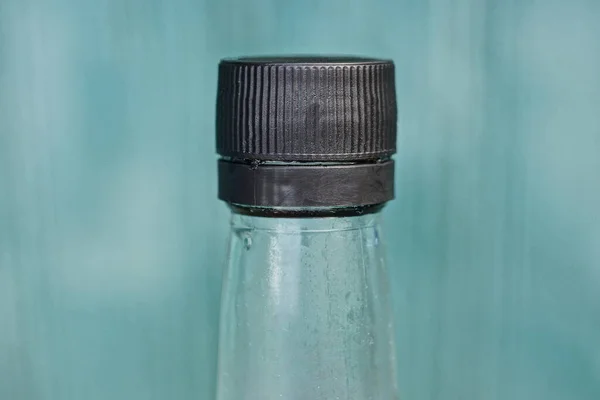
306 108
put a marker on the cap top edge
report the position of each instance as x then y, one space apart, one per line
308 60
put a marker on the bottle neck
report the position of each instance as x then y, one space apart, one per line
305 312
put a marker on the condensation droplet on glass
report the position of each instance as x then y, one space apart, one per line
247 242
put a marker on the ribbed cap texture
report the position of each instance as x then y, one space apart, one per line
306 109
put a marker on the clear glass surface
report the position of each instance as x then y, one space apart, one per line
305 311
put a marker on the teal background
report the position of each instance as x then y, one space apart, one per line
112 240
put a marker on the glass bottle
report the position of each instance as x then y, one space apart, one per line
305 309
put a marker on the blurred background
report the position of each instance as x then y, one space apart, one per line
112 239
